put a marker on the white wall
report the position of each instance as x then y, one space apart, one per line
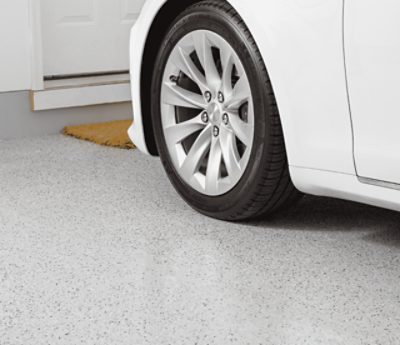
16 36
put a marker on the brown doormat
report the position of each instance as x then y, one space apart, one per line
114 134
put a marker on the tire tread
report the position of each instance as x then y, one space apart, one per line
275 190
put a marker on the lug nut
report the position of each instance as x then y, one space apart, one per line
208 96
225 119
215 131
221 98
204 117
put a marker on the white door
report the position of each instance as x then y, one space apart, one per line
373 64
87 36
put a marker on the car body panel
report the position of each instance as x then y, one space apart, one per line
373 65
346 187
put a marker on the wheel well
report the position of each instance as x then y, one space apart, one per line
159 28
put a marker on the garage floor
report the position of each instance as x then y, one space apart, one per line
97 248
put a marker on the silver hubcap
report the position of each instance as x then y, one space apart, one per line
207 113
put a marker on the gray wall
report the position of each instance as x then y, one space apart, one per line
17 120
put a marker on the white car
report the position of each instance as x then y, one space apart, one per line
251 103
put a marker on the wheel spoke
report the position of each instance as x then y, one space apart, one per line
184 62
230 153
204 53
214 167
242 130
196 154
241 93
227 63
177 133
179 97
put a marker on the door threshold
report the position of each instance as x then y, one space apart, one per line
82 91
82 75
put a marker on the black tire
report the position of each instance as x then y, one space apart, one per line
265 187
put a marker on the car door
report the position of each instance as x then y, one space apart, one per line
372 51
87 36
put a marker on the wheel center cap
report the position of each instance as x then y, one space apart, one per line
214 111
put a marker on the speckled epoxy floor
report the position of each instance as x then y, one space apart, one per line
96 248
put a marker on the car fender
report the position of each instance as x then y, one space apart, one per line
301 42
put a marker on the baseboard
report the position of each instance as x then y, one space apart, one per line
79 92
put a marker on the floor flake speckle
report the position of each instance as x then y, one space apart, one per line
97 248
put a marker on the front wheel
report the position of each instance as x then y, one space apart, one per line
215 117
